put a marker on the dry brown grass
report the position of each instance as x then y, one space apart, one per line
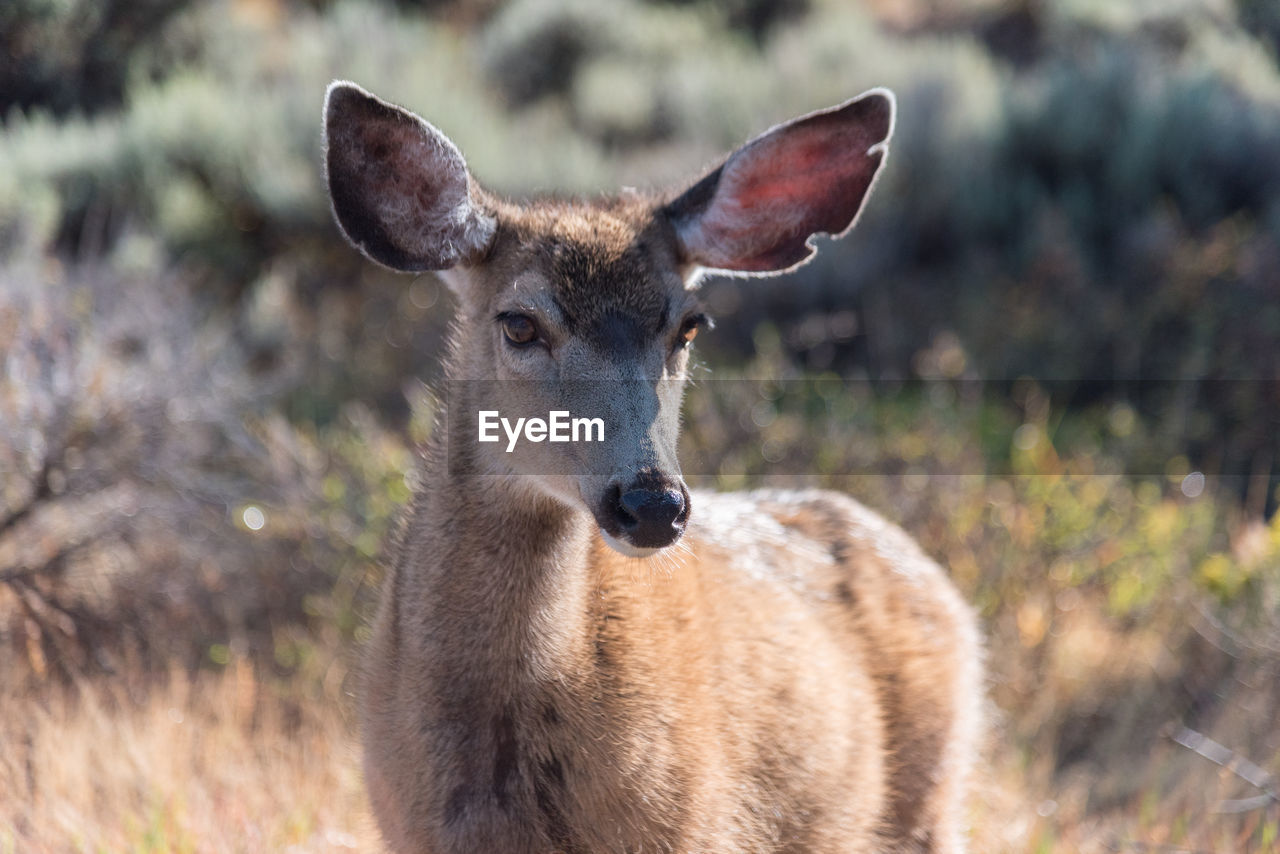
230 762
224 764
221 763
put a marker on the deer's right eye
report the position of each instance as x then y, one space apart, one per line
519 329
689 329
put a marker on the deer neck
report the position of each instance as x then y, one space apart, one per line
502 571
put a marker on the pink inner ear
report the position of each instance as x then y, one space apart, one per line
804 178
810 174
811 181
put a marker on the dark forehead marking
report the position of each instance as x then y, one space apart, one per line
591 282
615 303
618 334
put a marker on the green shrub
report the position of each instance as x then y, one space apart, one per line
535 47
1104 217
79 55
154 505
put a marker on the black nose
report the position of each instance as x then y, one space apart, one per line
651 518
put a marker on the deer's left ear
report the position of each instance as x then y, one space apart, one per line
757 211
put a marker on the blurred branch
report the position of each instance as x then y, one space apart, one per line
59 436
1246 804
1252 773
46 610
1225 631
41 492
50 567
1156 848
15 576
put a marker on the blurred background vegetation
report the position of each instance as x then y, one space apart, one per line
1051 349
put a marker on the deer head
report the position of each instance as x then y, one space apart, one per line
589 308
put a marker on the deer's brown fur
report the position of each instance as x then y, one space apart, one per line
792 675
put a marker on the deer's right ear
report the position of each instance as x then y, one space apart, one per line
400 189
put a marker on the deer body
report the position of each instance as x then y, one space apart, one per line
575 654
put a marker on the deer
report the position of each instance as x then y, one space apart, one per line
574 653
